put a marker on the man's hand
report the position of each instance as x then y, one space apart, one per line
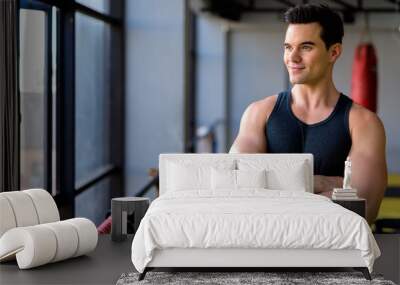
324 185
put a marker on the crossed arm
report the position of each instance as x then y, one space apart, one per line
368 159
369 171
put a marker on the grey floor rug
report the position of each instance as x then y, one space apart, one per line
226 278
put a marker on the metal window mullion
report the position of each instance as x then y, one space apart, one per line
66 116
18 101
189 80
98 15
58 105
48 101
227 85
103 173
116 94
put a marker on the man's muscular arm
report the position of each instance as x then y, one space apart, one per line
368 159
251 137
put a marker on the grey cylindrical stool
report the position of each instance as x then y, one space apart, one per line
127 212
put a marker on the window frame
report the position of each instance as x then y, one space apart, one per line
65 103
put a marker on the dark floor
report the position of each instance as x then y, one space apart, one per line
110 259
102 266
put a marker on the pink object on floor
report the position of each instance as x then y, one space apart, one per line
105 226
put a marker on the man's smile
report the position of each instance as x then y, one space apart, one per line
296 67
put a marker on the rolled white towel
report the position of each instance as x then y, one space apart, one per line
33 246
40 244
66 238
23 208
7 218
45 205
26 208
87 235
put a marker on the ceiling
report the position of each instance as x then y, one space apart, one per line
233 9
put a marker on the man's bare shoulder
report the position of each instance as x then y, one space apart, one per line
251 137
261 109
363 120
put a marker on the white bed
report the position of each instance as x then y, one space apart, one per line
201 220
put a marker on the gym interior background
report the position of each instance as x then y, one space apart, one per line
105 86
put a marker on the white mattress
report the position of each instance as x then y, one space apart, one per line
252 218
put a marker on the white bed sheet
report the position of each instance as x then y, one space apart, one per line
250 218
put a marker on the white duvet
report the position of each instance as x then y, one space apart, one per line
251 218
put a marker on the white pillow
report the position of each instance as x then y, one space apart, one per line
282 174
186 175
251 178
236 179
223 179
290 179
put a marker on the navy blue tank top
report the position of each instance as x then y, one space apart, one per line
329 140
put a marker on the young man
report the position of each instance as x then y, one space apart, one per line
314 117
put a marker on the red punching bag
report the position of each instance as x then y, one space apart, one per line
364 81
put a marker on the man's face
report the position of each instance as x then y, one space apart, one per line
306 57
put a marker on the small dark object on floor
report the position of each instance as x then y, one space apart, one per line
225 278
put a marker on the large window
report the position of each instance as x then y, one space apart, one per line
33 94
37 85
93 96
71 73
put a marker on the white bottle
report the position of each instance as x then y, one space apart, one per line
347 174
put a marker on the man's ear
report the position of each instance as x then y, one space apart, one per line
334 52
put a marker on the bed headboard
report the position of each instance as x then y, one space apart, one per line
272 160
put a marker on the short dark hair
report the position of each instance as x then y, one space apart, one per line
330 21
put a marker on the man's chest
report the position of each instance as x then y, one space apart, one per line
311 116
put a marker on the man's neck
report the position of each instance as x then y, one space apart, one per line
309 96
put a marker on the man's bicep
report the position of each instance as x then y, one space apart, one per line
368 169
251 137
368 155
369 172
248 143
